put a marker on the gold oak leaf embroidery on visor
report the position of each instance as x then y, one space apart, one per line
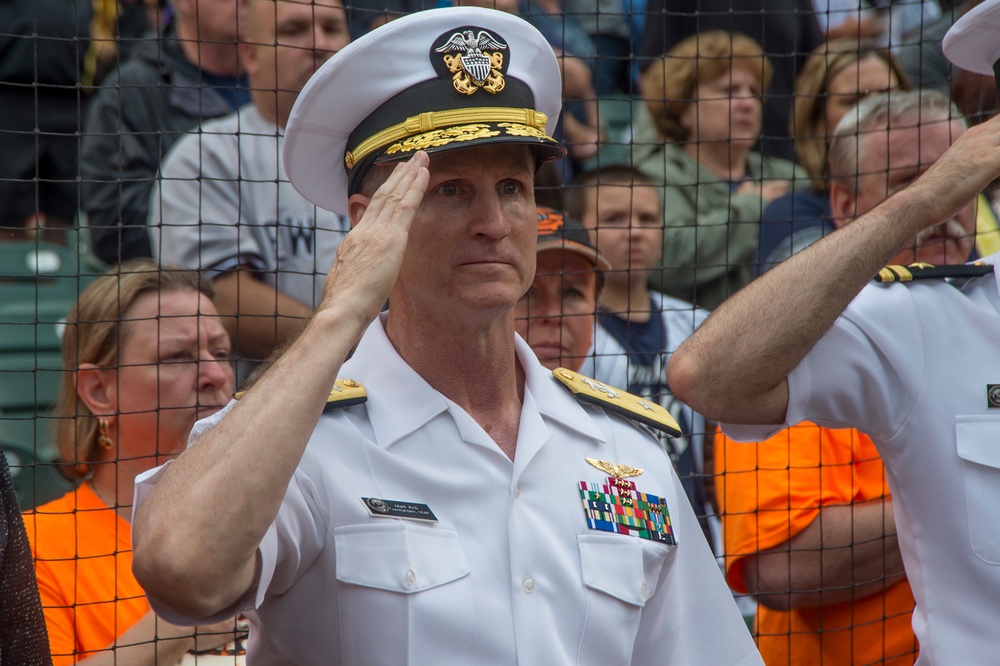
522 130
442 137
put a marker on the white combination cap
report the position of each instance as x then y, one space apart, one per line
435 80
973 43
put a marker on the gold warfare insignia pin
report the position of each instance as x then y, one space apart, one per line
617 471
474 58
618 506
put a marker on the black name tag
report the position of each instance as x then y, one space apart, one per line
993 396
383 508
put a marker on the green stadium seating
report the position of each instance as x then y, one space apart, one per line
35 481
39 282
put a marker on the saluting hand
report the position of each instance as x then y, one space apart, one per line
369 259
958 176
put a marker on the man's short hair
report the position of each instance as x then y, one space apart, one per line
874 115
578 192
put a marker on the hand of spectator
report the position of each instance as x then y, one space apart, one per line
153 640
211 636
767 191
369 258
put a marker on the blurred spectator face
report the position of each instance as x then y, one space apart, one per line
727 109
890 161
218 20
288 41
173 370
626 226
557 315
852 84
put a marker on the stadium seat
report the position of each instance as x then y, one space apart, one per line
39 282
615 113
35 481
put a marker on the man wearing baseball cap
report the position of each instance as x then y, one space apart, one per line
447 500
912 361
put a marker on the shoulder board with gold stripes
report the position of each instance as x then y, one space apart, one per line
345 392
615 400
930 272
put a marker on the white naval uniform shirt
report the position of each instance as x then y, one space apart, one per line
510 573
909 365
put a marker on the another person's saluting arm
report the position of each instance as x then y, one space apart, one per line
238 472
735 367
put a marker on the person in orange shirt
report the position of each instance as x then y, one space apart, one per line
808 529
146 356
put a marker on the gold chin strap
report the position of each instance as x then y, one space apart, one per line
432 120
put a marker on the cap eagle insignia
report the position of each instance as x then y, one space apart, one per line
479 63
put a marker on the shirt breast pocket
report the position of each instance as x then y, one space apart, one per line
401 587
620 573
978 440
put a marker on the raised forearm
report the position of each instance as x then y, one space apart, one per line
237 474
734 368
846 553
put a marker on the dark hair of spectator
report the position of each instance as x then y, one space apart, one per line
578 193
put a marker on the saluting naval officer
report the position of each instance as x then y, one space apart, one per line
913 362
448 500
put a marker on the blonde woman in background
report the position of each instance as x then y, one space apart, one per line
145 357
836 76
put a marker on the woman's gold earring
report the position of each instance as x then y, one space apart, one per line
104 434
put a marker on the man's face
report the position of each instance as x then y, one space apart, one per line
472 242
290 39
890 162
626 226
556 316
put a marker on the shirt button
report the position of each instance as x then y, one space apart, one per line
528 585
643 591
517 492
411 578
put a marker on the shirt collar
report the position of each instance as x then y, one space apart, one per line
400 401
554 401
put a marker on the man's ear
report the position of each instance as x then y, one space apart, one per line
248 58
842 205
356 207
98 388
